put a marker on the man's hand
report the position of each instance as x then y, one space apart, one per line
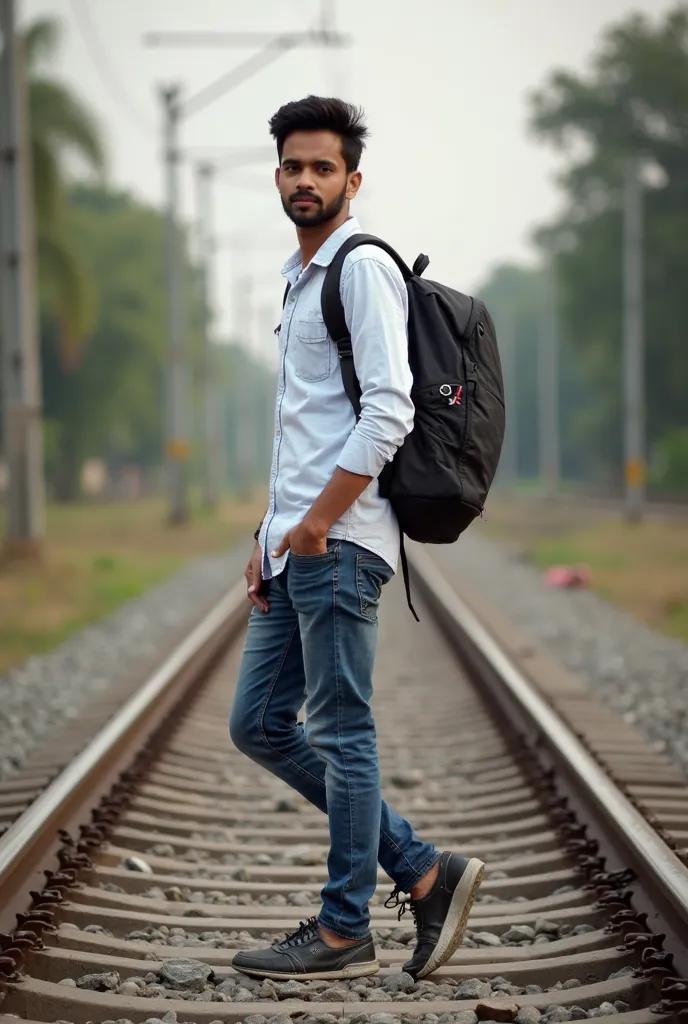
254 579
304 539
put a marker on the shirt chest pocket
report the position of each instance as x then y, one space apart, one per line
312 350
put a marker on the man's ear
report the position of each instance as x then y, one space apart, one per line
277 176
354 184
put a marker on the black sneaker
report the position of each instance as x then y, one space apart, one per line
305 957
441 916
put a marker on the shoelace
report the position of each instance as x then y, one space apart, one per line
404 903
306 931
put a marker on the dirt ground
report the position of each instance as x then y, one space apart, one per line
96 557
642 568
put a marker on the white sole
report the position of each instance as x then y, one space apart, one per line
456 920
352 971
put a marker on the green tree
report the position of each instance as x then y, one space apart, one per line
633 102
109 404
62 130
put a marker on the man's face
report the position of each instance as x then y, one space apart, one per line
313 180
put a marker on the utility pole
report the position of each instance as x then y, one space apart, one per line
177 447
177 389
20 366
209 396
510 451
334 71
267 326
633 342
548 381
243 433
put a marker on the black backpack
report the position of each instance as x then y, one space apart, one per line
439 478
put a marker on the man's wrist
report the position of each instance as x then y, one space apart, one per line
314 525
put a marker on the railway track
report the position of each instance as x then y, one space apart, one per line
176 851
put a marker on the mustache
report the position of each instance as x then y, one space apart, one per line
304 195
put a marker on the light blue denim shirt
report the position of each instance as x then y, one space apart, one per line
315 425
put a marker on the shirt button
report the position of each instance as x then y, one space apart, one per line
291 299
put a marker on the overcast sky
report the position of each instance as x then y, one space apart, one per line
450 169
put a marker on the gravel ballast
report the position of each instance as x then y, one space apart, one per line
637 672
44 693
196 981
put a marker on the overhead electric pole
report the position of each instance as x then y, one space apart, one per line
548 381
210 427
633 342
273 46
509 460
243 434
177 399
20 366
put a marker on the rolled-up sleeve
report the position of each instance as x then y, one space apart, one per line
376 307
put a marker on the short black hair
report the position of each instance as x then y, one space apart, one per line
323 114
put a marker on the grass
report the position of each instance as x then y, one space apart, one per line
96 558
642 568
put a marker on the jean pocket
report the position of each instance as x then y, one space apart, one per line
319 557
312 350
372 572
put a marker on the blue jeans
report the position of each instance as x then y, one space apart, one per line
317 643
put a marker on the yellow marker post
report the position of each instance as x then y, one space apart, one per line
178 449
635 472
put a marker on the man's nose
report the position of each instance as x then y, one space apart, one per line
305 182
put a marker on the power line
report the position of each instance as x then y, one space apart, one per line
268 55
108 76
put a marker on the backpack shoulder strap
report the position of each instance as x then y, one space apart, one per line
335 321
331 302
333 310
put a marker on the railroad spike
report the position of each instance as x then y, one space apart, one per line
616 878
588 863
15 955
105 815
672 987
653 958
575 830
46 896
7 969
31 923
589 847
644 940
58 878
630 917
612 905
18 936
41 917
25 942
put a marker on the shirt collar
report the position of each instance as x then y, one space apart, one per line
325 253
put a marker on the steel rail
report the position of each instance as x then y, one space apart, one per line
50 810
645 849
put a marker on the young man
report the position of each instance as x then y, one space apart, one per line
326 547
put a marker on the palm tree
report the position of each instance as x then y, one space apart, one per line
61 128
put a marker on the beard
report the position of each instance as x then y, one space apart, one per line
317 214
